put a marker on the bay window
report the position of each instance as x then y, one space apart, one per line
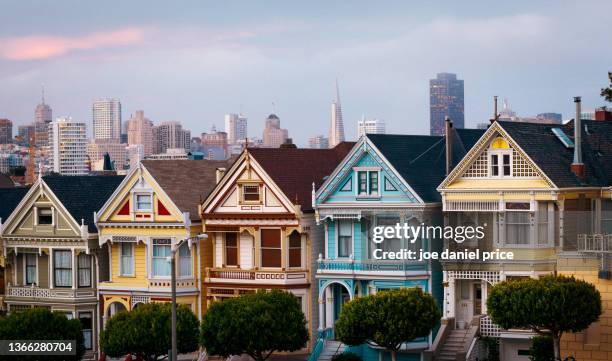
517 228
543 223
126 267
271 248
345 238
185 265
231 249
391 244
161 254
84 270
295 250
606 216
30 268
62 268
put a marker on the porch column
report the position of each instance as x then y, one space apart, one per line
74 269
451 298
483 299
329 309
321 313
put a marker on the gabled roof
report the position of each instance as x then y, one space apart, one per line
295 169
421 159
83 195
554 159
9 199
187 182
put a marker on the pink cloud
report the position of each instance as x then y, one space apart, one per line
42 47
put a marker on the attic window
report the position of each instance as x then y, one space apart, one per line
45 216
567 142
250 193
144 202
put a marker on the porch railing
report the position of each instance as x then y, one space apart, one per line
488 328
37 292
595 243
367 265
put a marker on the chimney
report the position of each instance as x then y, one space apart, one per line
448 135
603 114
219 173
495 115
577 165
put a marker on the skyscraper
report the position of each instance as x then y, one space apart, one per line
43 115
140 131
445 99
68 143
6 131
235 127
273 134
370 126
107 119
170 135
336 130
318 142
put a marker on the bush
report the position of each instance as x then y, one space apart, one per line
347 356
542 349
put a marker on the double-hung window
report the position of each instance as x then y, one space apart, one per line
250 193
84 270
543 221
390 244
30 268
231 249
127 259
345 238
517 228
184 260
161 254
606 216
368 183
295 250
44 215
501 164
86 325
62 268
271 248
144 202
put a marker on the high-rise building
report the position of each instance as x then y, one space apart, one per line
235 127
26 133
68 145
273 134
370 126
445 99
6 131
336 129
140 131
107 119
215 139
318 142
43 115
97 148
170 135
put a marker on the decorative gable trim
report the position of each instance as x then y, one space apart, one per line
480 149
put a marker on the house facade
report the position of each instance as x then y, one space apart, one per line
51 249
152 212
261 223
385 180
522 183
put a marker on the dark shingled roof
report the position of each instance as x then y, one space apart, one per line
6 181
547 151
421 159
295 169
187 182
9 199
83 195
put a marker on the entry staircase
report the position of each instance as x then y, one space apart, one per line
454 344
331 348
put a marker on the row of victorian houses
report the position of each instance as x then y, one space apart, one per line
301 220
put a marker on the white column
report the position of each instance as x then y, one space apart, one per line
451 297
329 309
483 289
74 269
321 313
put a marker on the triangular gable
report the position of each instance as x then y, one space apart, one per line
121 206
246 175
475 165
41 214
341 186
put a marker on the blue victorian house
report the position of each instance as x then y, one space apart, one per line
383 181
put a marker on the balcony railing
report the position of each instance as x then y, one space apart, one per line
488 328
367 266
260 276
54 293
595 243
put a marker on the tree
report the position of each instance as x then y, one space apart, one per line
550 306
607 92
145 332
255 324
388 318
42 324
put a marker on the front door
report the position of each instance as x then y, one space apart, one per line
477 299
465 303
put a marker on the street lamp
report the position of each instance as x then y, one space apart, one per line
201 236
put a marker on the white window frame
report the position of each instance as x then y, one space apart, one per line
178 264
121 271
259 192
368 193
302 252
460 222
261 248
500 164
78 269
153 239
351 254
25 269
136 206
52 215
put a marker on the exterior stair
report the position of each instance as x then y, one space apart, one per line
331 348
455 342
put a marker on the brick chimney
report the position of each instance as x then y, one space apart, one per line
603 114
577 165
448 136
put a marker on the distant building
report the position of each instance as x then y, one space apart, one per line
6 131
446 98
318 142
97 148
170 153
140 131
134 154
68 145
273 134
236 127
215 139
370 126
107 119
26 133
336 130
508 115
43 116
168 135
556 118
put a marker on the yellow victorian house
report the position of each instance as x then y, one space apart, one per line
154 209
542 192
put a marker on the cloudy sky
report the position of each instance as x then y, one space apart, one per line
195 61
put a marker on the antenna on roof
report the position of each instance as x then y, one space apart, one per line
273 108
43 93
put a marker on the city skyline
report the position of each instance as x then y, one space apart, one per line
196 53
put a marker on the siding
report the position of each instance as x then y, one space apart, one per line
140 268
331 240
43 271
246 251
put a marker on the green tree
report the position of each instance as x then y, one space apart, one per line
41 324
255 324
607 92
550 306
145 332
388 318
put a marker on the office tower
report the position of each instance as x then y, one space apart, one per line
214 140
273 134
370 126
140 131
445 99
6 131
68 145
170 135
26 133
336 130
97 148
107 119
43 115
235 127
318 142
